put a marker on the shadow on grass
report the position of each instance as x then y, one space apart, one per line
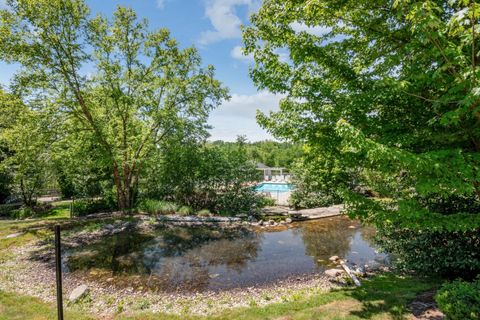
390 294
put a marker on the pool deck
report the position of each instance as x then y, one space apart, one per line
305 214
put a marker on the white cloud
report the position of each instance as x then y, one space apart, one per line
161 4
226 23
237 53
238 116
314 31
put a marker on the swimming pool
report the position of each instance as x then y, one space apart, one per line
273 187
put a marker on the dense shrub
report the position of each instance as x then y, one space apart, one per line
153 206
204 213
23 212
302 198
203 177
460 300
83 207
6 210
429 251
185 211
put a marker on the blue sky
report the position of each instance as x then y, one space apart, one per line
213 26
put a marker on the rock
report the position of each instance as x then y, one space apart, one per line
359 271
352 227
78 293
260 223
14 235
241 216
108 227
271 222
334 258
333 272
288 220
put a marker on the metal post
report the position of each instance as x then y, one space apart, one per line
58 263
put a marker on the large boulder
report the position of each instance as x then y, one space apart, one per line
78 293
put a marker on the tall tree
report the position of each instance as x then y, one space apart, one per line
27 136
131 87
390 88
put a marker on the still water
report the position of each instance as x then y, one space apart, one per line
199 259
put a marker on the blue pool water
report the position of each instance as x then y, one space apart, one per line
274 187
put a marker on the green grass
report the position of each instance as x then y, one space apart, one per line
17 307
384 297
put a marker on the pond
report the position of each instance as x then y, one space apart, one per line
200 258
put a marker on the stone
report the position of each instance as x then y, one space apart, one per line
14 235
78 293
260 223
333 272
334 258
109 227
288 220
351 227
271 222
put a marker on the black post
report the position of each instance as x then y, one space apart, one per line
58 263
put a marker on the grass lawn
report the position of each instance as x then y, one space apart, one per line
383 297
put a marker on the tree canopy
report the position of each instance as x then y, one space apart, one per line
127 86
385 97
388 86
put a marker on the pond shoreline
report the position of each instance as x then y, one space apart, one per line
20 273
34 263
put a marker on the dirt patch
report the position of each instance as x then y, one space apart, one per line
424 307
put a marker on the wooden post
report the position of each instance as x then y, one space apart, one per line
58 264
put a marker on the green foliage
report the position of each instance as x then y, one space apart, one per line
142 87
316 182
152 206
203 177
460 300
185 211
443 252
83 207
204 213
270 153
385 96
27 135
266 202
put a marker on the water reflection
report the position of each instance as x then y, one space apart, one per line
197 259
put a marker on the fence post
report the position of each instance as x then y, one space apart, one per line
58 263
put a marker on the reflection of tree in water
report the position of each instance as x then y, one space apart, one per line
330 237
368 234
173 258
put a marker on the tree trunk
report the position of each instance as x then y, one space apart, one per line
124 186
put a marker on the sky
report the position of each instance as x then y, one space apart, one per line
213 27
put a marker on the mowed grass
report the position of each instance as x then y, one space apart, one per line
384 297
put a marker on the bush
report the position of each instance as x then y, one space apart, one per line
185 211
265 201
460 300
237 200
83 207
7 210
23 212
304 199
153 206
445 253
204 213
